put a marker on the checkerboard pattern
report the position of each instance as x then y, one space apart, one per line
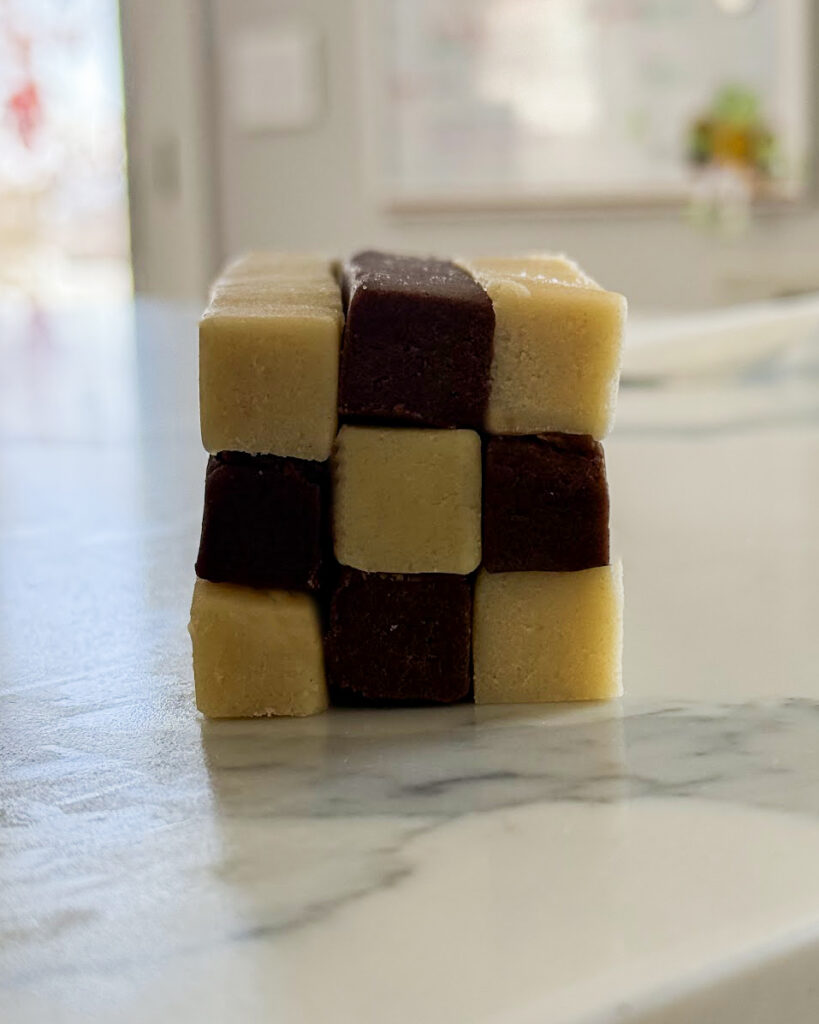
406 497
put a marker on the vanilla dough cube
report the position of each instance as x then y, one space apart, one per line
268 358
256 652
407 500
548 636
557 347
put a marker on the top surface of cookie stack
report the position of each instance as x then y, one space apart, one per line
514 345
382 428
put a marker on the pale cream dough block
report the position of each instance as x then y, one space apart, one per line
268 357
407 500
557 346
253 265
548 636
256 652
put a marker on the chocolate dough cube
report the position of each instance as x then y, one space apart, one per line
256 652
548 636
556 354
545 504
263 521
268 357
395 638
407 500
417 343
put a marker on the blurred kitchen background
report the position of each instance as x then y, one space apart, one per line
668 145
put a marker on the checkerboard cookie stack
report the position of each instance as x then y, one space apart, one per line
406 498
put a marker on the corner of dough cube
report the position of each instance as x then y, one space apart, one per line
407 500
256 652
268 358
557 347
548 636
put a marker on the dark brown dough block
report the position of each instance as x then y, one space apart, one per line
417 343
399 638
263 522
546 504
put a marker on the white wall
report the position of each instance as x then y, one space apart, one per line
170 128
308 189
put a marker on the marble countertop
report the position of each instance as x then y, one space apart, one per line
650 861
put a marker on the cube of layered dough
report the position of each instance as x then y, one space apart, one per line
548 636
407 500
263 521
557 347
417 342
256 652
545 504
254 265
268 358
393 638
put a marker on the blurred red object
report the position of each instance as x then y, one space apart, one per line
26 111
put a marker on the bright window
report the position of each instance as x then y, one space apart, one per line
63 192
